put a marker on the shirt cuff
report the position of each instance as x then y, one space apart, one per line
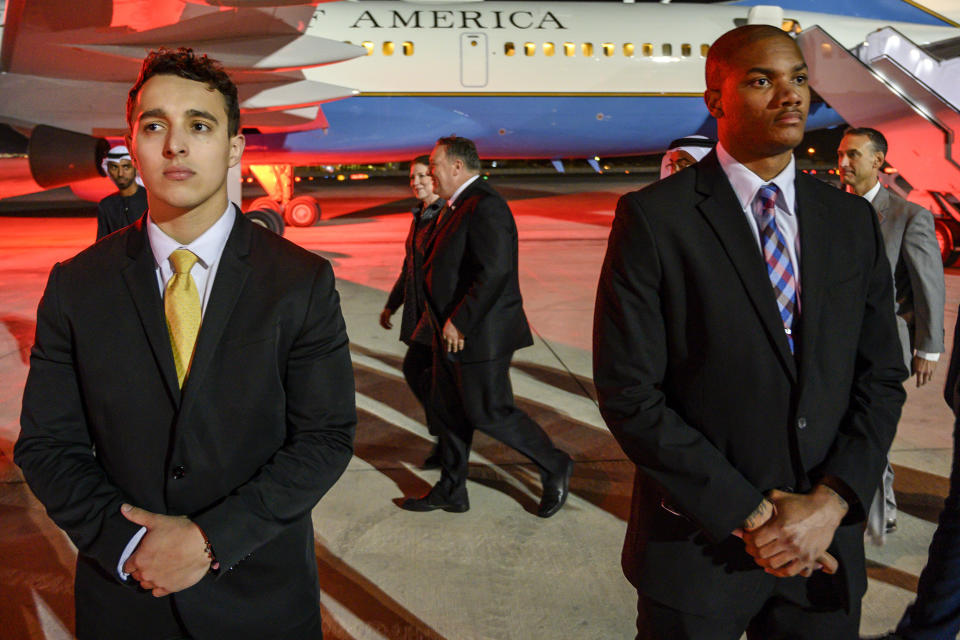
933 357
128 551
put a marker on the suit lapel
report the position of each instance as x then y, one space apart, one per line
141 278
227 285
814 229
723 212
880 204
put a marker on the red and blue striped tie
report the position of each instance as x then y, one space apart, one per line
775 254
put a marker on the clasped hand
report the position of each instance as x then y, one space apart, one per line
171 555
793 538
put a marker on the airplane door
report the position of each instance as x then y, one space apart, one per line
473 60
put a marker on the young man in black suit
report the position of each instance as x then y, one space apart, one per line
747 361
476 311
190 395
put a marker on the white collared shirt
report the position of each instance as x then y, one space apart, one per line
208 248
746 184
456 194
870 195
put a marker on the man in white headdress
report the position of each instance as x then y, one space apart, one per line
129 203
684 152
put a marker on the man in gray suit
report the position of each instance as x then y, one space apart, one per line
914 256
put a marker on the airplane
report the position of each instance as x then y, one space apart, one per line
380 81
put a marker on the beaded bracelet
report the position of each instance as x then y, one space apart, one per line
208 549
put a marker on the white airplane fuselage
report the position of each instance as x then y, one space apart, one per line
532 80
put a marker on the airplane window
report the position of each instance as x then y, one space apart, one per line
408 48
685 50
509 49
388 48
368 46
569 49
548 49
791 26
608 49
704 48
647 49
587 48
667 50
628 49
529 48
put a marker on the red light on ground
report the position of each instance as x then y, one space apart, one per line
250 179
359 176
813 171
811 150
889 170
296 179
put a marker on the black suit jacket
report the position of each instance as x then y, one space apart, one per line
116 212
697 383
261 430
472 278
408 289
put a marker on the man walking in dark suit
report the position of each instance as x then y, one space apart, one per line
911 245
746 360
415 329
475 307
190 395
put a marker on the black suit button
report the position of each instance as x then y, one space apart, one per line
179 472
801 423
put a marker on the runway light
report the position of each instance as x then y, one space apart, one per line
296 179
811 150
597 158
359 176
813 171
889 170
341 177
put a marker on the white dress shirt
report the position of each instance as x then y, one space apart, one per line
870 196
452 202
208 248
746 184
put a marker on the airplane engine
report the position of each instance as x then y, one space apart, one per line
58 157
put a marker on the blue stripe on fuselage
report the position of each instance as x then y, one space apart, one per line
893 10
510 126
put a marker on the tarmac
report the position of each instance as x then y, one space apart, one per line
497 572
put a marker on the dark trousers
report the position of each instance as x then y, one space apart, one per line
782 617
935 614
478 396
418 372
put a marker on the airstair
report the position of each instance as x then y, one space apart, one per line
912 94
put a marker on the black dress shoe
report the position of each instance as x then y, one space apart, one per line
556 487
432 461
436 500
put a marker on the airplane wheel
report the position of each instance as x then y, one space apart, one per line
945 240
302 211
268 218
265 204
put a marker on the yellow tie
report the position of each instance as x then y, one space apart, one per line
181 303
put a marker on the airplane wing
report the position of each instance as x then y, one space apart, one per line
70 64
